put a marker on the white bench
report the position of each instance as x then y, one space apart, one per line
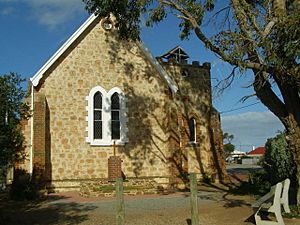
284 200
271 202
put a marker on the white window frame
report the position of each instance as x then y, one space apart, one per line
106 117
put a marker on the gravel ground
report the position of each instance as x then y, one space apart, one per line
216 207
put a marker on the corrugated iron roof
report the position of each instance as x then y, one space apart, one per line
258 151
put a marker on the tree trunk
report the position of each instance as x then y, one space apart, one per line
291 122
287 111
293 140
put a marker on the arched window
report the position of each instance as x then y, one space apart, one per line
106 117
97 115
115 117
192 127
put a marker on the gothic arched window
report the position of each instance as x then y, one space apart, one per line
107 117
97 115
115 117
192 128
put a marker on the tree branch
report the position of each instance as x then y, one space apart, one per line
241 18
208 44
266 95
245 98
225 83
255 62
291 98
251 17
268 28
181 17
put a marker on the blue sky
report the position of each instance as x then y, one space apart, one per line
32 30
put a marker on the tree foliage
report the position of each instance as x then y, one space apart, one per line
228 147
278 162
12 110
269 29
228 137
126 12
260 35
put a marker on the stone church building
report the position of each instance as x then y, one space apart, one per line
104 108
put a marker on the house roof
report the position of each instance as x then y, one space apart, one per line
258 151
236 152
40 73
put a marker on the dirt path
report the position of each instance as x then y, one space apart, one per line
217 207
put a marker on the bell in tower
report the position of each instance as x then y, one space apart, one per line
176 55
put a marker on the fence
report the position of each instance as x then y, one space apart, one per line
120 208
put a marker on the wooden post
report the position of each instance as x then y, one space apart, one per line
120 202
194 199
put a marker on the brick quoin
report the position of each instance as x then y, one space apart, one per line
39 141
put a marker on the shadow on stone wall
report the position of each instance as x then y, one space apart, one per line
141 116
48 164
140 131
216 138
142 146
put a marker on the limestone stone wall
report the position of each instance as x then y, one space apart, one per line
99 58
194 101
157 121
218 148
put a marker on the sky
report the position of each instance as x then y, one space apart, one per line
31 31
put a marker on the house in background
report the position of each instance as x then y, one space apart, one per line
258 152
104 107
235 156
254 156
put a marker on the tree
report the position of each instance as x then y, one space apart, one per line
228 149
228 137
228 146
12 110
261 36
278 162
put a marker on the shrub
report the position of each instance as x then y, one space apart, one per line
278 160
207 178
257 185
278 165
22 187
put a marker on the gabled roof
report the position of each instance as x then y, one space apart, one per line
159 68
40 73
178 51
38 76
258 151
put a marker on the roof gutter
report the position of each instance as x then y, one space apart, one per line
31 132
159 68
